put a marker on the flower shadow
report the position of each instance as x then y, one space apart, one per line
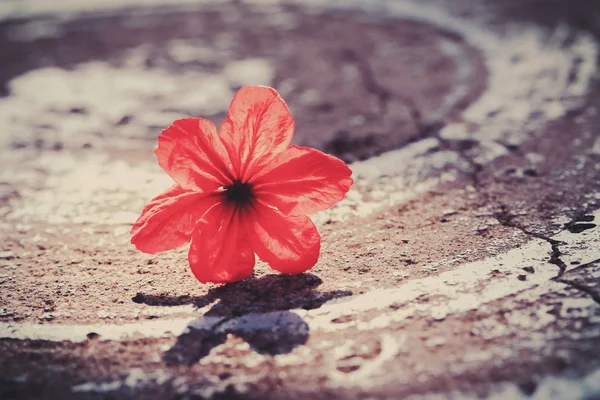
256 310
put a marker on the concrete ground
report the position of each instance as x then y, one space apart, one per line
464 263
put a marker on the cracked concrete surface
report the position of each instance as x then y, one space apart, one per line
464 262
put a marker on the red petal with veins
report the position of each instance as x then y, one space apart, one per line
220 251
168 220
259 126
288 244
303 181
192 153
227 221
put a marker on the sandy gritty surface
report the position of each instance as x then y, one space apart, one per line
464 262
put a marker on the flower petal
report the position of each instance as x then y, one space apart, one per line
168 220
303 181
192 153
259 126
220 251
288 244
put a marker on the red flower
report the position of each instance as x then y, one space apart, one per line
240 192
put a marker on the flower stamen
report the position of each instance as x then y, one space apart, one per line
239 192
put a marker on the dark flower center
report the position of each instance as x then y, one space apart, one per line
238 192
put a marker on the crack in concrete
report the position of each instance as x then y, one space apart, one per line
505 218
575 284
581 287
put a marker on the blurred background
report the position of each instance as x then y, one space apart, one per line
358 83
358 80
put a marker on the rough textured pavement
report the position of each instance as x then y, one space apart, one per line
464 262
